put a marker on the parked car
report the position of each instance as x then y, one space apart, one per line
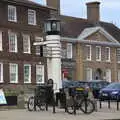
81 84
112 92
96 86
67 83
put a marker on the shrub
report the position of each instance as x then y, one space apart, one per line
10 93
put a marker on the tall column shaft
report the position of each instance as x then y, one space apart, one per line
54 62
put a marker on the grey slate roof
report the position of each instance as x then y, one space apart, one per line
72 27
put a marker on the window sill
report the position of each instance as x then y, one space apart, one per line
14 21
26 52
37 54
13 82
98 60
88 60
13 51
27 82
40 82
32 24
107 61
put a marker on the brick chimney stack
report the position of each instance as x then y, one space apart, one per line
54 4
93 13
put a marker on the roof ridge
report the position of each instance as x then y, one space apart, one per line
75 18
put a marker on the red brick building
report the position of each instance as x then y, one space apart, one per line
90 47
21 24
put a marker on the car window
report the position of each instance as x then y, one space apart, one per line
114 86
98 85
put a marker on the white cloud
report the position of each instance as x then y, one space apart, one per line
110 4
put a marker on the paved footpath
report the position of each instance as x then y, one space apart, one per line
101 114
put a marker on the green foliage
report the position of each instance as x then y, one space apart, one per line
10 93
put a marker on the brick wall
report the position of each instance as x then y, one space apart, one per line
82 64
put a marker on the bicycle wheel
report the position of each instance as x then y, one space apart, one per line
70 106
42 105
70 109
30 104
87 106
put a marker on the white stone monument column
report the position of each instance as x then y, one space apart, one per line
54 61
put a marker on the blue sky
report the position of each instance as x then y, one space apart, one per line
109 9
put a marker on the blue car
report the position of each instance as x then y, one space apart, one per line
111 92
96 86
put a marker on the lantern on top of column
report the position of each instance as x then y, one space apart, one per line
52 26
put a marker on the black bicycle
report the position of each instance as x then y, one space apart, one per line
38 100
81 102
34 103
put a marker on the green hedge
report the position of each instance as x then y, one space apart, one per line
10 93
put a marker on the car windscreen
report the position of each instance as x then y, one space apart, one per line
113 86
81 84
98 85
67 83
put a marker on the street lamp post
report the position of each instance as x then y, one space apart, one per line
52 30
52 47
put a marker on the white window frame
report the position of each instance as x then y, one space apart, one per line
29 79
118 55
16 72
1 33
15 13
37 48
107 60
9 37
28 44
88 78
69 50
98 54
90 53
42 73
34 16
1 74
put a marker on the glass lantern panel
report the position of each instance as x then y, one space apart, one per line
48 26
58 26
54 26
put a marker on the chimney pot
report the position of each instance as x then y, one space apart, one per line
55 4
93 13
